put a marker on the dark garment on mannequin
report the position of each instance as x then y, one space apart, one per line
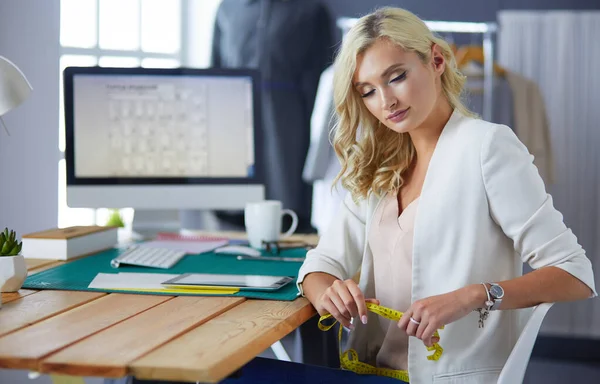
290 43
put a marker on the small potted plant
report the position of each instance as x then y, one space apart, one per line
13 269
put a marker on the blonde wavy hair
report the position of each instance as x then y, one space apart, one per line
373 158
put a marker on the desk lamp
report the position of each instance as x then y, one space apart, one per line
14 88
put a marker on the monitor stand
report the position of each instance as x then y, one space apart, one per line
147 223
196 220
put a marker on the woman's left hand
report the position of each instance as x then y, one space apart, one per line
432 313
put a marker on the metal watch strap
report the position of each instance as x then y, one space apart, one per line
497 300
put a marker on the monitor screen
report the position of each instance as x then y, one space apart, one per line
148 127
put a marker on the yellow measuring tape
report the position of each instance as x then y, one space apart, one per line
349 359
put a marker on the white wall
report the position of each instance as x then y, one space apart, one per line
29 37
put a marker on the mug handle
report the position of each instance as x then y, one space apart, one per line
294 222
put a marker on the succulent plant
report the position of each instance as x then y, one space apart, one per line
9 245
115 219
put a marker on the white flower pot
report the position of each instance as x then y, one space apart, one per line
13 272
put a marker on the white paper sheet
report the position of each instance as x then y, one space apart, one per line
130 280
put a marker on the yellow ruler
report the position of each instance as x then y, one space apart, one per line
349 359
198 291
64 379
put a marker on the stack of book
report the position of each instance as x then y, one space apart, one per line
68 243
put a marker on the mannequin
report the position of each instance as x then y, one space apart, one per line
290 42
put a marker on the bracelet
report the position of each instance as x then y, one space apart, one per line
484 312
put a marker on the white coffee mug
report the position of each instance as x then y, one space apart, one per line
263 222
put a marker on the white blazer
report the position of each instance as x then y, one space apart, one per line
483 211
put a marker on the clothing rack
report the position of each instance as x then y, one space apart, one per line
485 29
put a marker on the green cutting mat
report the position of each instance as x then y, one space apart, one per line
78 274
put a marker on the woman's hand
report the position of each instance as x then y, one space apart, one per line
431 313
344 300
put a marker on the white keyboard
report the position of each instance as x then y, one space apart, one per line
148 257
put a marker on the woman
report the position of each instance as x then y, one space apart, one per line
440 202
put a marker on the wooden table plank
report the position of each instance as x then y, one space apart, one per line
35 308
25 348
7 297
36 263
135 337
219 347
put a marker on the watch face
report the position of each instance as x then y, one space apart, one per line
497 291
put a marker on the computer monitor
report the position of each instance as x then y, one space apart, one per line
162 138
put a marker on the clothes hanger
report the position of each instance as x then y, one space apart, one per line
454 48
474 53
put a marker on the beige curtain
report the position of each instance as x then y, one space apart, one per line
560 51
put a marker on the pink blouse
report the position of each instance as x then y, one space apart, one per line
391 241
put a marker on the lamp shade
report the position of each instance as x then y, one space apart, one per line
14 87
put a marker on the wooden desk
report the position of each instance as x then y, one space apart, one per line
151 337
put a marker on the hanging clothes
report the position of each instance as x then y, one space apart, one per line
531 123
290 42
322 166
320 153
503 104
518 103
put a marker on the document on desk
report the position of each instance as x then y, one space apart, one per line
130 280
149 282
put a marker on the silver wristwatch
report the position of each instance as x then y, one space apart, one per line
497 293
